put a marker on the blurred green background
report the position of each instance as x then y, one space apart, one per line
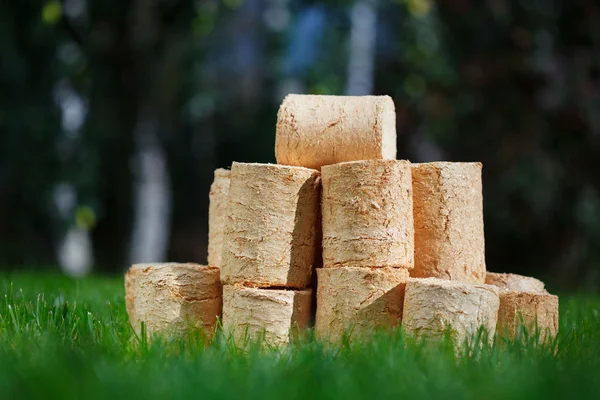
114 114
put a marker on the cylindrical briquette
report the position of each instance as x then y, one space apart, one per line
169 297
355 301
514 282
433 307
536 312
448 221
130 283
216 215
275 316
313 131
367 211
271 226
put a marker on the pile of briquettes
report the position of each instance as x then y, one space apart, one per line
391 243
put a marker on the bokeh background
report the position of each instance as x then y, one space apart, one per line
114 114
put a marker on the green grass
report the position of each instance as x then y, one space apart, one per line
64 339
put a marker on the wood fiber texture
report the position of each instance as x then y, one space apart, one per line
514 282
434 307
536 312
271 226
273 315
170 297
367 211
448 221
216 215
313 131
356 301
130 283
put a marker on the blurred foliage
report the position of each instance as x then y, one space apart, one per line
515 84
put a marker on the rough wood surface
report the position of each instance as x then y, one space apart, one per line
448 220
536 312
216 215
433 307
313 131
130 282
273 315
514 282
367 209
169 297
271 226
355 301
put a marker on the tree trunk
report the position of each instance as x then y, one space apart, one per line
363 19
152 200
152 197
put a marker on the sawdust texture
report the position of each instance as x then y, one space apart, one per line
271 226
514 282
536 312
170 297
367 211
435 307
130 284
448 221
355 301
216 215
313 130
275 316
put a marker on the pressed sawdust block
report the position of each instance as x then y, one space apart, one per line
536 312
313 131
271 226
130 278
514 282
434 307
170 297
276 316
524 303
367 211
355 300
448 221
216 215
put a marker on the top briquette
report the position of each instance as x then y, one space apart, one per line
313 131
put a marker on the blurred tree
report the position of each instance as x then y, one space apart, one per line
30 130
361 57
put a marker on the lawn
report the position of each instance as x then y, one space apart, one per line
61 338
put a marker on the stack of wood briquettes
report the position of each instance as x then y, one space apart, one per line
391 242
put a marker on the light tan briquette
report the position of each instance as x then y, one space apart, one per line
271 226
130 282
275 316
514 282
367 211
170 297
356 301
536 312
216 215
433 307
448 221
313 130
